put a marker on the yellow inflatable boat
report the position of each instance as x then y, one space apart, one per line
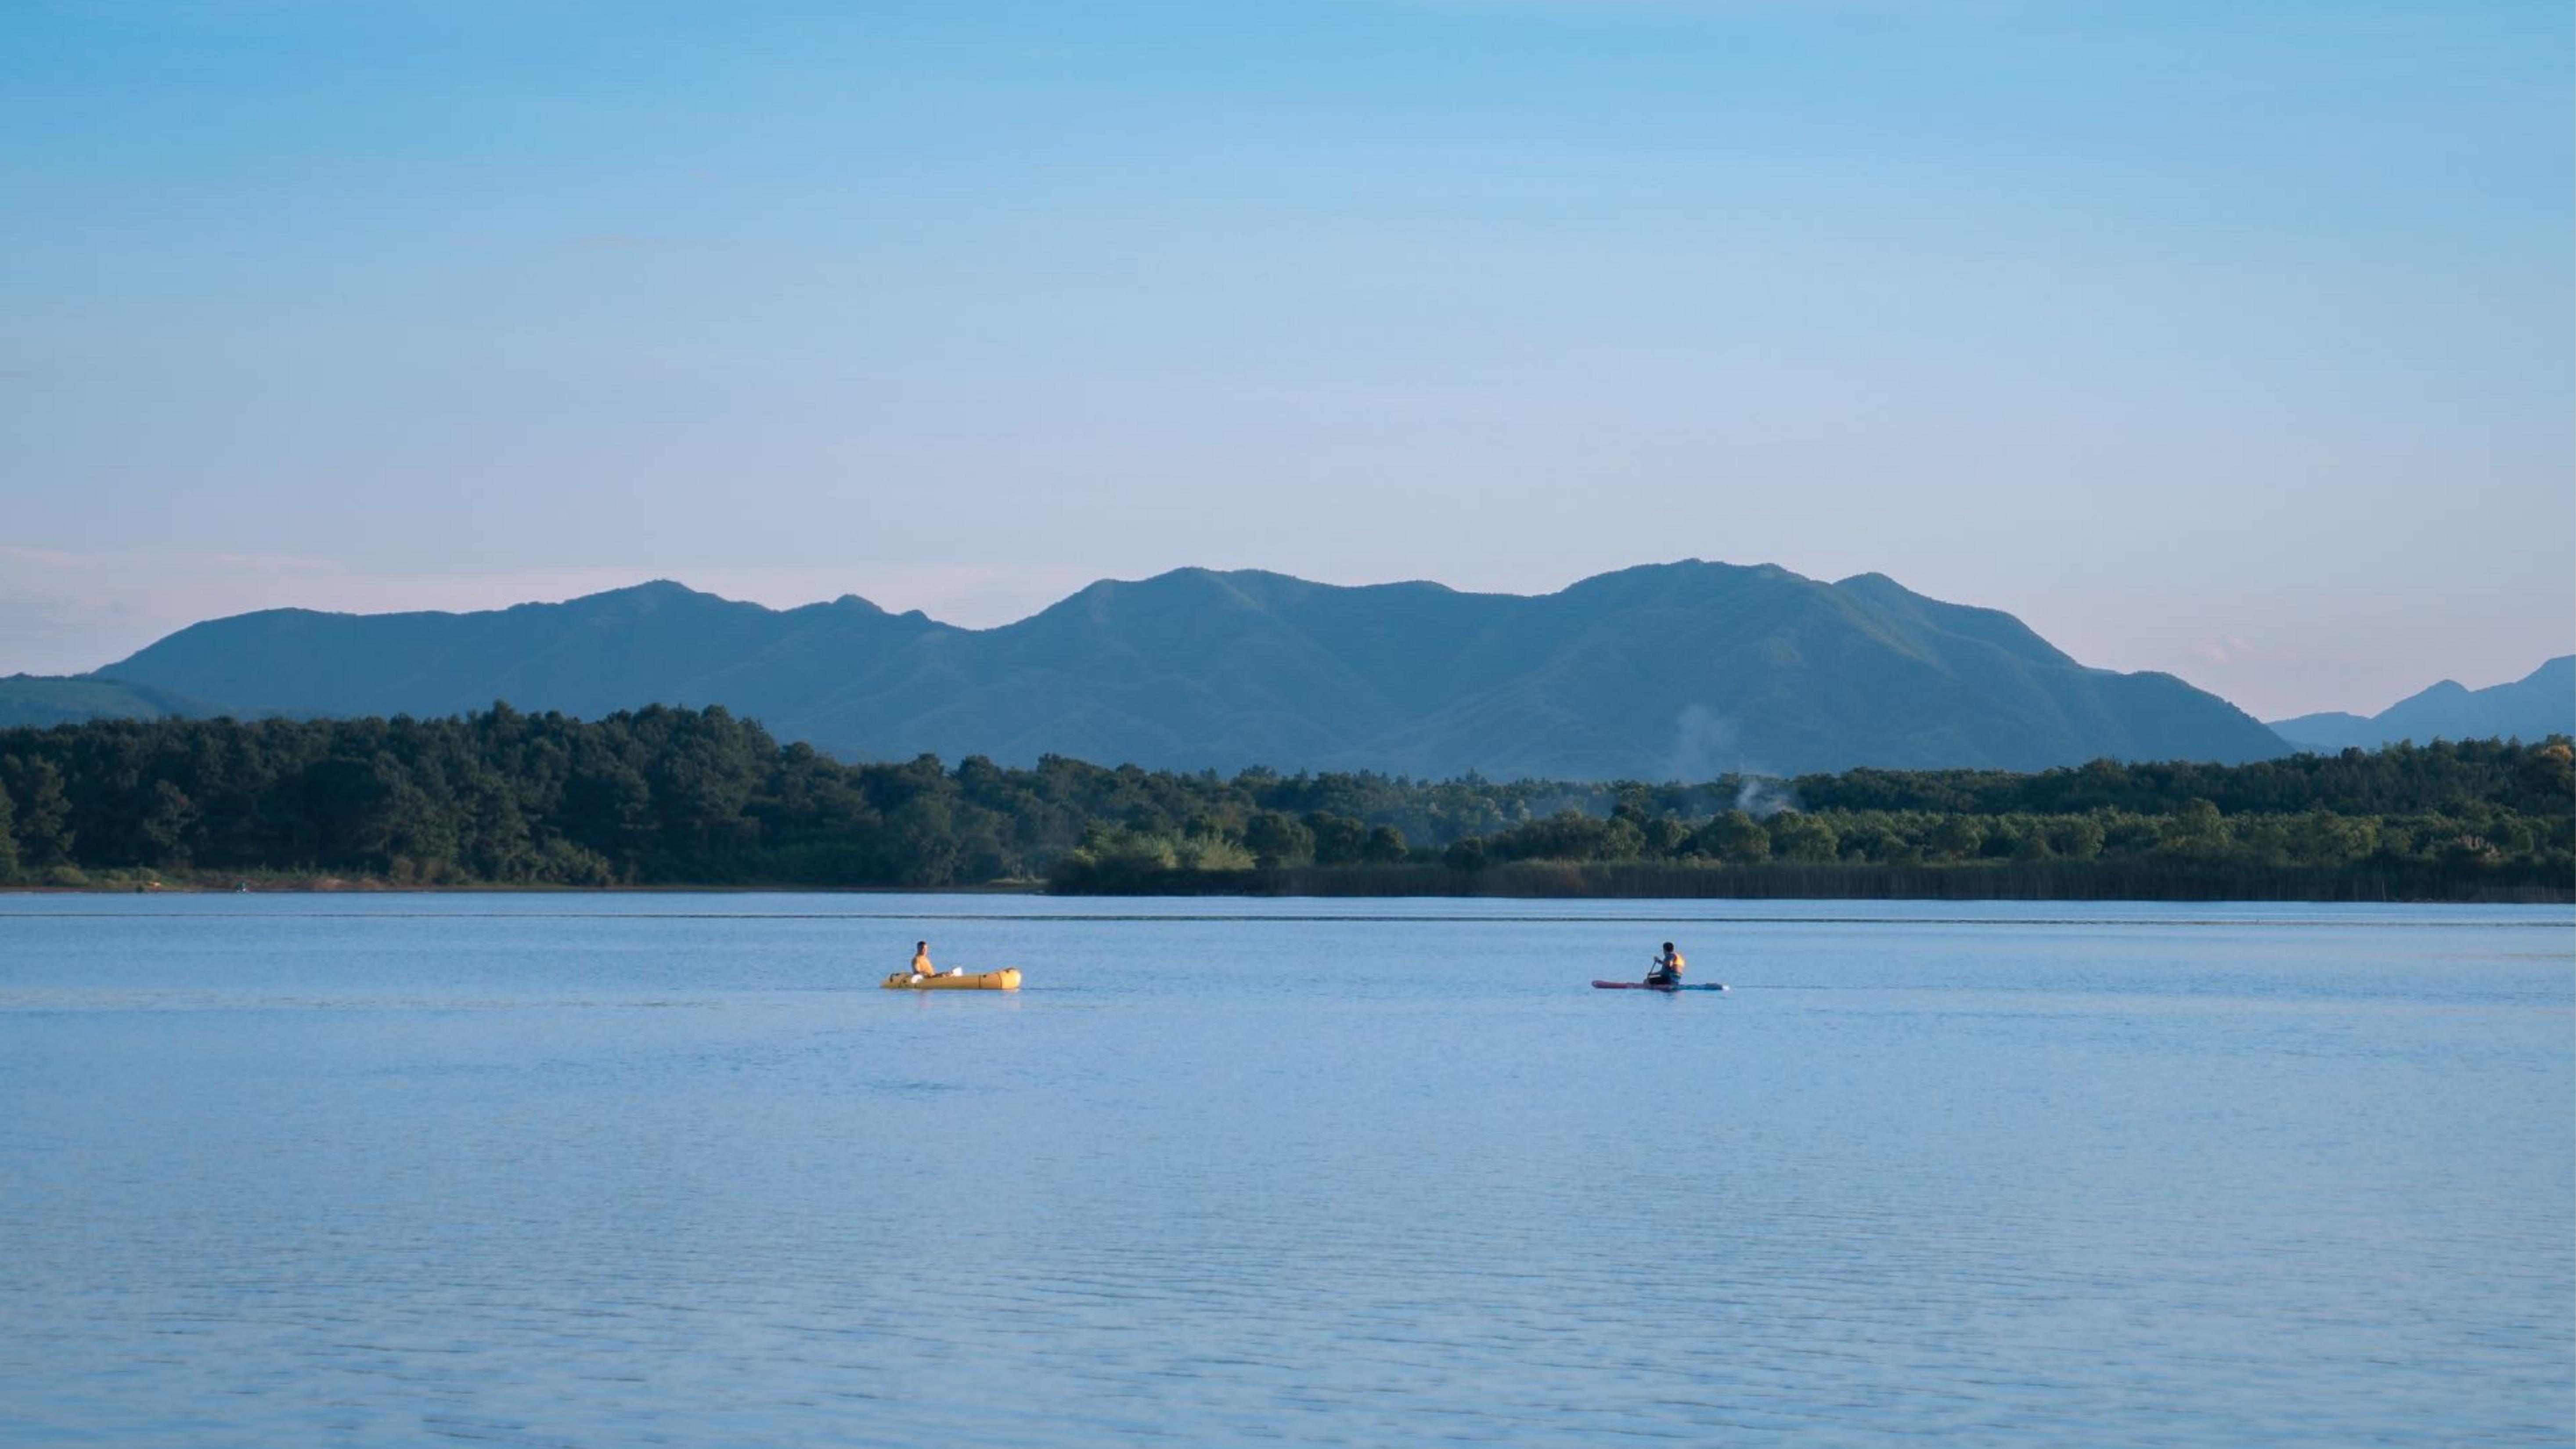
1003 980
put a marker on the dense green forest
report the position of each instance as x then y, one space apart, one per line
698 797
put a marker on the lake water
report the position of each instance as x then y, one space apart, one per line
578 1170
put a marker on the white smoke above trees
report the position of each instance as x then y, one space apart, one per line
1707 745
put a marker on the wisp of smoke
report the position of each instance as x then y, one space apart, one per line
1763 798
1707 745
1703 745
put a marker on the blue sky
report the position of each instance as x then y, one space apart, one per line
2227 339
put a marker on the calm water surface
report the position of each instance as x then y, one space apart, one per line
572 1170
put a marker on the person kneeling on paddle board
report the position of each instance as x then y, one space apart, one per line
1668 968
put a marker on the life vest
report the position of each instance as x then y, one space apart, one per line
921 966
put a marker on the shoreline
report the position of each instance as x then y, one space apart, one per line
321 885
1526 881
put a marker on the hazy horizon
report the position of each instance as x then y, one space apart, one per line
2223 341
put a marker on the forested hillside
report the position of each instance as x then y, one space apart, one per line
701 797
30 699
1670 671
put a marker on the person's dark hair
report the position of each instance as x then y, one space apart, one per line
1668 945
925 945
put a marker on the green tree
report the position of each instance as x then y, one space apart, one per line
1796 835
2196 832
2548 776
165 825
1565 835
2027 839
1734 837
921 842
1876 841
45 837
8 837
1276 841
2077 837
1957 837
1339 839
2124 834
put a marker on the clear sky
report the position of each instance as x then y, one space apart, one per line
2223 338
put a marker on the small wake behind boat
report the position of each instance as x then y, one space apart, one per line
1658 986
1006 979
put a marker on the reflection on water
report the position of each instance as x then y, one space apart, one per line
580 1170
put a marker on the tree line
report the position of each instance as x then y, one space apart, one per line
671 796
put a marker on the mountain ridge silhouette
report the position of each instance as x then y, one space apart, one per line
1648 672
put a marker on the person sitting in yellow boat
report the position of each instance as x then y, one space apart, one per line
1668 968
921 962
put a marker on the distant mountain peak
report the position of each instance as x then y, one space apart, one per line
2537 705
650 589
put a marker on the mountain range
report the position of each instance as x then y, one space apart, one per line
1680 670
2539 704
